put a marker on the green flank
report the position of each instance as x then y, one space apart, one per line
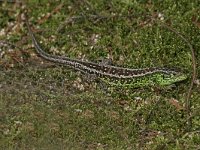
157 79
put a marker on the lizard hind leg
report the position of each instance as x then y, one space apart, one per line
103 86
95 82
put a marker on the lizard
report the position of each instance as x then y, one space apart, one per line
111 74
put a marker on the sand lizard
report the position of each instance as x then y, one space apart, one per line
113 75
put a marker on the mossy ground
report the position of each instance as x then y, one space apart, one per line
46 106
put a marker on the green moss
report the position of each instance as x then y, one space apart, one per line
48 106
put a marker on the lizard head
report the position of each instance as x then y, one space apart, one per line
170 78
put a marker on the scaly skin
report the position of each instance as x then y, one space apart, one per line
112 75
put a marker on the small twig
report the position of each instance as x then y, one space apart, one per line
194 114
82 16
95 17
194 74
